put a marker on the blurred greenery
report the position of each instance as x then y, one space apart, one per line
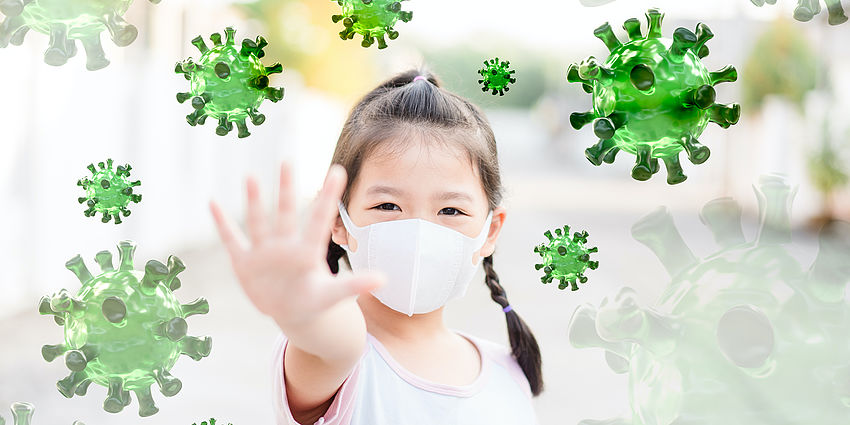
302 36
827 169
782 63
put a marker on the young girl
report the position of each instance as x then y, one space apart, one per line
419 212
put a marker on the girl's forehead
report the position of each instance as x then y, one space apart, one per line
423 165
420 157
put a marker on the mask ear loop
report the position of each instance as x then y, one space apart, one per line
352 228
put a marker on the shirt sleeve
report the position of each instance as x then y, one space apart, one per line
340 410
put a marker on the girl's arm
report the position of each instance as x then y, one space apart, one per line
285 275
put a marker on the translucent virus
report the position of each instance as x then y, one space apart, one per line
228 83
652 97
373 19
22 414
124 329
807 9
746 335
108 191
496 76
66 21
565 258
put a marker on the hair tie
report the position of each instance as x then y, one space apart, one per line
419 77
507 309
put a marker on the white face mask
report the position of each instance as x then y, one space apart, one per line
426 264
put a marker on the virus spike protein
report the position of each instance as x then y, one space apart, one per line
807 9
565 258
108 191
228 82
124 330
496 76
65 22
372 19
652 97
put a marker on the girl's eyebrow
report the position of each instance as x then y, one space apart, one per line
384 189
449 196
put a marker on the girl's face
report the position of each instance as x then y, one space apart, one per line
434 182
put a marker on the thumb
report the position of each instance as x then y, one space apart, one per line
359 283
341 287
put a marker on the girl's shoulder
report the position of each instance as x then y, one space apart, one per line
500 355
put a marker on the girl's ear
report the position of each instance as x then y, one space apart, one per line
498 220
338 233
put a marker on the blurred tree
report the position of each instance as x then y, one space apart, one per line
302 36
782 63
828 172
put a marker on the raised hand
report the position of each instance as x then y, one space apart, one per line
283 271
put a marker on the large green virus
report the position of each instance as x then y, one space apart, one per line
565 258
807 9
373 19
108 191
743 336
22 414
124 329
652 97
228 83
496 76
66 21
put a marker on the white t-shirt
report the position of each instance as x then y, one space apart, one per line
380 391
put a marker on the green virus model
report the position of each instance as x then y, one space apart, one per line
210 422
228 83
108 191
746 335
807 9
66 21
372 19
496 76
652 97
22 414
124 329
565 258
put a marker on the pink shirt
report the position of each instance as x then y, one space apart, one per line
380 391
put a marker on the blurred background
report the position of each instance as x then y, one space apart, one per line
793 86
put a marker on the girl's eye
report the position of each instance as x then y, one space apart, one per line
451 211
387 206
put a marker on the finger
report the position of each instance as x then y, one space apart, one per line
254 213
231 236
285 217
324 211
342 287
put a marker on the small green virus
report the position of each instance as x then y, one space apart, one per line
108 192
652 97
807 9
228 83
565 258
496 76
22 414
124 329
66 21
372 19
210 422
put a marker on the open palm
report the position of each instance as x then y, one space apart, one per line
283 271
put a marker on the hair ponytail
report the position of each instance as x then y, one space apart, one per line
523 344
